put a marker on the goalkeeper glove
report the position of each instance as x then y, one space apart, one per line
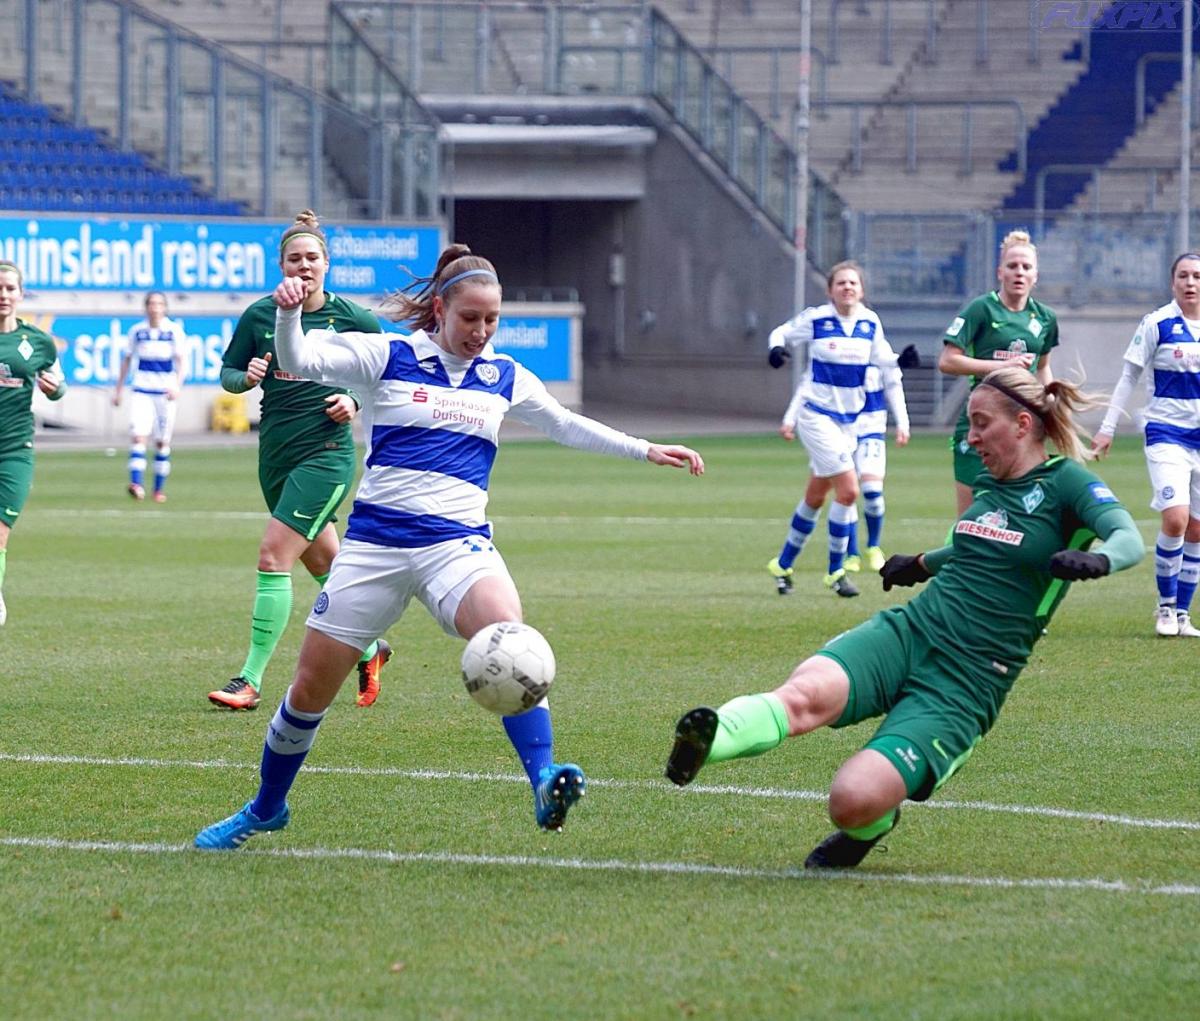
1076 565
903 569
777 356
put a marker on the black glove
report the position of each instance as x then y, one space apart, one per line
777 356
1075 565
903 569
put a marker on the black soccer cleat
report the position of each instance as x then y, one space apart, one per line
841 584
694 734
841 851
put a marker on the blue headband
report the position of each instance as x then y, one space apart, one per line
442 288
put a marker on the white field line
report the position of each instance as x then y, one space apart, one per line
1144 887
165 516
778 793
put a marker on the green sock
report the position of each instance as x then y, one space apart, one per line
749 725
370 650
874 829
272 605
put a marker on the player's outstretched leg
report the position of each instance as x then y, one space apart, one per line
369 669
745 726
229 834
694 733
559 786
556 786
845 849
290 735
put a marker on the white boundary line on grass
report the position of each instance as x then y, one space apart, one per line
616 865
667 520
745 792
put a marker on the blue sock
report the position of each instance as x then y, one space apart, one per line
852 541
804 520
1168 558
533 738
289 737
137 463
842 520
162 468
873 512
1189 575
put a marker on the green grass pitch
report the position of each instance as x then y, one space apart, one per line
1057 876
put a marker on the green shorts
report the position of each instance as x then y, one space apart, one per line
16 479
967 462
306 496
936 705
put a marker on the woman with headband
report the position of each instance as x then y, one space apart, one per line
419 528
1004 326
306 458
1168 342
939 667
28 360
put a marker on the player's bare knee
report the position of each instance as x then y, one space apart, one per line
857 803
814 695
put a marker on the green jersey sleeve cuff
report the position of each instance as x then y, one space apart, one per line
936 559
1123 544
234 380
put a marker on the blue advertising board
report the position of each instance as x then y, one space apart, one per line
90 347
541 343
203 257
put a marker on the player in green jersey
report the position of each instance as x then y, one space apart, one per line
936 676
306 458
1004 325
28 360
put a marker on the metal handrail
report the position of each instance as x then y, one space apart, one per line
1139 82
725 56
223 61
1094 171
910 106
885 37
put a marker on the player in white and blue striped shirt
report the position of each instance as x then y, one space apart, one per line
156 354
870 459
1167 341
840 339
433 405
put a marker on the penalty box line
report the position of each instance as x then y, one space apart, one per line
1121 886
775 793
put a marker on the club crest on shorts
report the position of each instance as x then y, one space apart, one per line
321 605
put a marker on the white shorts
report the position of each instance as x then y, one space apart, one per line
870 458
151 415
369 586
1175 477
830 444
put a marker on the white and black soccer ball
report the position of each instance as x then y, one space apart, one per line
508 667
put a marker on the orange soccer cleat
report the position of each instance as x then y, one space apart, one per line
237 694
368 675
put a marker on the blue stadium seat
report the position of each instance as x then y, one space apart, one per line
48 164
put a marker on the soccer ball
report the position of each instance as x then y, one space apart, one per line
508 667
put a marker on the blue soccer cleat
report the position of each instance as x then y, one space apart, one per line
229 834
558 788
